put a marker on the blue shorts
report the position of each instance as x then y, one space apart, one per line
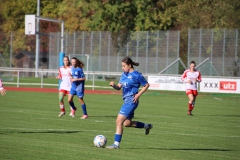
77 91
128 107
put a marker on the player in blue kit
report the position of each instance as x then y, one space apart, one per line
77 86
130 82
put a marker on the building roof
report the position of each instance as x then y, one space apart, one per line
30 55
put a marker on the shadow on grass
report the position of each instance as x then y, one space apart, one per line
220 115
106 116
41 132
192 149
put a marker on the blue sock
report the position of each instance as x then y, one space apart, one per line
140 125
118 137
73 106
84 108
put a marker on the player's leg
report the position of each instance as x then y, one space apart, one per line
70 101
190 101
84 108
61 103
137 124
128 111
70 114
119 130
195 93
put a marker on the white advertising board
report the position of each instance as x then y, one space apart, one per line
172 83
220 85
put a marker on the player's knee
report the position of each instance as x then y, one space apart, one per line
119 122
127 123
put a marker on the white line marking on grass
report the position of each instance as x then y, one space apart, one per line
225 136
218 98
136 132
98 121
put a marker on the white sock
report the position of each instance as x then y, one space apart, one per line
116 143
146 126
61 106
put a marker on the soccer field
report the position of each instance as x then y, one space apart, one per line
31 129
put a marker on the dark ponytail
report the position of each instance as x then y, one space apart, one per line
129 61
80 64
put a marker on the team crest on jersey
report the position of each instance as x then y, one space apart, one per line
124 84
76 73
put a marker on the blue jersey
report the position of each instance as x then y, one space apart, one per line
78 73
131 82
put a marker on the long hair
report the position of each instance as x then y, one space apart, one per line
69 63
129 61
80 64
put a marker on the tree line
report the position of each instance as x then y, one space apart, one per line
120 16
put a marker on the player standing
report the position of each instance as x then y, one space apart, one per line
191 77
2 90
130 82
64 74
77 88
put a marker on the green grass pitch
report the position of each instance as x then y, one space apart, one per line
30 128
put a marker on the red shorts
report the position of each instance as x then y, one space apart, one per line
65 92
193 92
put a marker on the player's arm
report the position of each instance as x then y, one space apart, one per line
137 96
80 78
184 77
59 75
117 87
77 79
2 90
199 78
144 88
145 85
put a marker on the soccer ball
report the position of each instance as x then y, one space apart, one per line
100 141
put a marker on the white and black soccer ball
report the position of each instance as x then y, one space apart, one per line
100 141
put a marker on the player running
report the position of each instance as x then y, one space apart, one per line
130 81
77 88
191 77
2 90
64 74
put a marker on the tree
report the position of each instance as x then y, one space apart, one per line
196 14
12 17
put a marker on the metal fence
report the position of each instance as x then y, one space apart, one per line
216 51
153 50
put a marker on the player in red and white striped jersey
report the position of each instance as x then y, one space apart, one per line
64 75
191 77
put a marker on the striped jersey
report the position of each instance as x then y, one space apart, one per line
65 74
188 75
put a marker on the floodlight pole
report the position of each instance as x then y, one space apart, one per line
37 41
